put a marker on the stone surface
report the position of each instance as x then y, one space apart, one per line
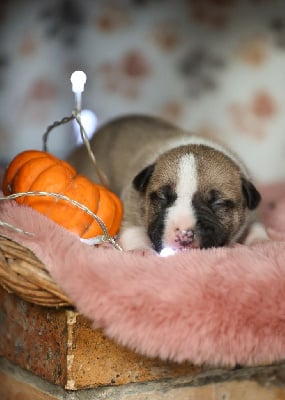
18 384
60 346
33 337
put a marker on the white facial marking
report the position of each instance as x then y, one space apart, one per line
133 237
180 215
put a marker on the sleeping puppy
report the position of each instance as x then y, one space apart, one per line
178 190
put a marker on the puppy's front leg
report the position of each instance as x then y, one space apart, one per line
256 233
134 238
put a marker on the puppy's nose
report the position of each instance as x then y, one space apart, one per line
184 237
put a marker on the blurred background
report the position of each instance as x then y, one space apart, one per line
215 67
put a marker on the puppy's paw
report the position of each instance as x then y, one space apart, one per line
256 234
134 238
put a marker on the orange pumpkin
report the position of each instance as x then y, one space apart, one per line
34 170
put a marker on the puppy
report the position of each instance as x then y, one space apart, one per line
178 190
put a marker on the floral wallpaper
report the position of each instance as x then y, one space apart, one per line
215 67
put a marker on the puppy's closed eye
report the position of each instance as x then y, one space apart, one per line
164 196
223 203
216 202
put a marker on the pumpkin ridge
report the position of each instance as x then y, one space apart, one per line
16 173
68 186
19 177
93 208
86 228
50 162
71 182
56 163
33 170
41 173
101 213
72 179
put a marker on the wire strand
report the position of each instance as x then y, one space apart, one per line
101 239
76 116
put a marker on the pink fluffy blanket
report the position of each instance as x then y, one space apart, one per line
219 306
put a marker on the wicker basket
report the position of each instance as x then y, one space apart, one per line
22 273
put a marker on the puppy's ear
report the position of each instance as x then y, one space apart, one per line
141 180
252 196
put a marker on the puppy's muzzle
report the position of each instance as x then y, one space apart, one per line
184 238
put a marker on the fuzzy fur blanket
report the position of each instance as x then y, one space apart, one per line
219 306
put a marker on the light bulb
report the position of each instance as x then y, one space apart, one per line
167 251
78 80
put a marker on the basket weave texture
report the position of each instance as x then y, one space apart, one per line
23 274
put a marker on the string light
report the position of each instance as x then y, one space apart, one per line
167 251
78 80
89 121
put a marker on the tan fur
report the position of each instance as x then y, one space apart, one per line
125 146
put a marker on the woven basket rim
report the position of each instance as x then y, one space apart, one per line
24 274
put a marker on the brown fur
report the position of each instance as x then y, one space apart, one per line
125 146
